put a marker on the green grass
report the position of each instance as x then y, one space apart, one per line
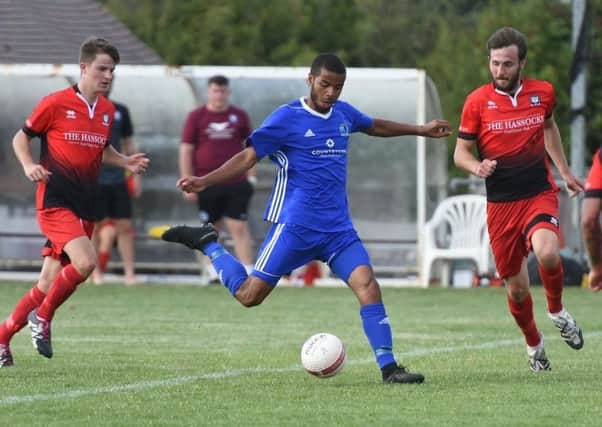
161 355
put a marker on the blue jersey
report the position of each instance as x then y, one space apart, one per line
310 150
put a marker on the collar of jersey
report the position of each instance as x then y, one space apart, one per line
92 107
314 112
513 98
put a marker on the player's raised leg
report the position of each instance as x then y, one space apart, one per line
104 236
125 243
248 290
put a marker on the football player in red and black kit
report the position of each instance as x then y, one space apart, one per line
511 121
590 222
73 125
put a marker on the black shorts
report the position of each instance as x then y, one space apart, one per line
113 201
231 201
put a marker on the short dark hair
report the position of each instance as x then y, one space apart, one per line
93 45
328 61
508 36
218 80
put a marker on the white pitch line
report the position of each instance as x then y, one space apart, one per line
11 400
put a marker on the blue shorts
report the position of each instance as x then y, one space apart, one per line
289 246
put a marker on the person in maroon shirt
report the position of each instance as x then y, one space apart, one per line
73 125
511 121
590 222
213 134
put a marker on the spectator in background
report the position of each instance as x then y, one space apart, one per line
590 221
212 134
114 222
73 125
511 122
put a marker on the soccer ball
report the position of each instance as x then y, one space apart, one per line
323 355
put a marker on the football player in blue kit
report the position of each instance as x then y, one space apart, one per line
308 140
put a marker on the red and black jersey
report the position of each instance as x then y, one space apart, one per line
73 134
510 130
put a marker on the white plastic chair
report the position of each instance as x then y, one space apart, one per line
458 230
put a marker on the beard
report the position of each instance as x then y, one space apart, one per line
511 83
314 100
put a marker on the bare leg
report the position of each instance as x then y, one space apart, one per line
253 291
105 234
592 237
125 244
243 244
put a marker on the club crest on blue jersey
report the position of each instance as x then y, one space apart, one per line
344 129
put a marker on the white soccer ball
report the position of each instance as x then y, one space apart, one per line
323 355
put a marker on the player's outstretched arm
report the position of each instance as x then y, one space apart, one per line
236 166
433 129
34 171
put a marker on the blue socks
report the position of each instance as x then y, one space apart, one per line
230 271
377 329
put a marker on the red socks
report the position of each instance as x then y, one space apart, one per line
63 286
103 260
523 315
18 319
553 281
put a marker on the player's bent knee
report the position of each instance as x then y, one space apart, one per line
250 302
590 224
367 292
517 292
44 284
123 226
253 292
248 299
85 267
549 259
372 291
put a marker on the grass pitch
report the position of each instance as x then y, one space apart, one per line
165 355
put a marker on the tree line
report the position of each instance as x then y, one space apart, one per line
447 38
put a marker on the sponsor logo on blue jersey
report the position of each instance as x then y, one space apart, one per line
330 151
